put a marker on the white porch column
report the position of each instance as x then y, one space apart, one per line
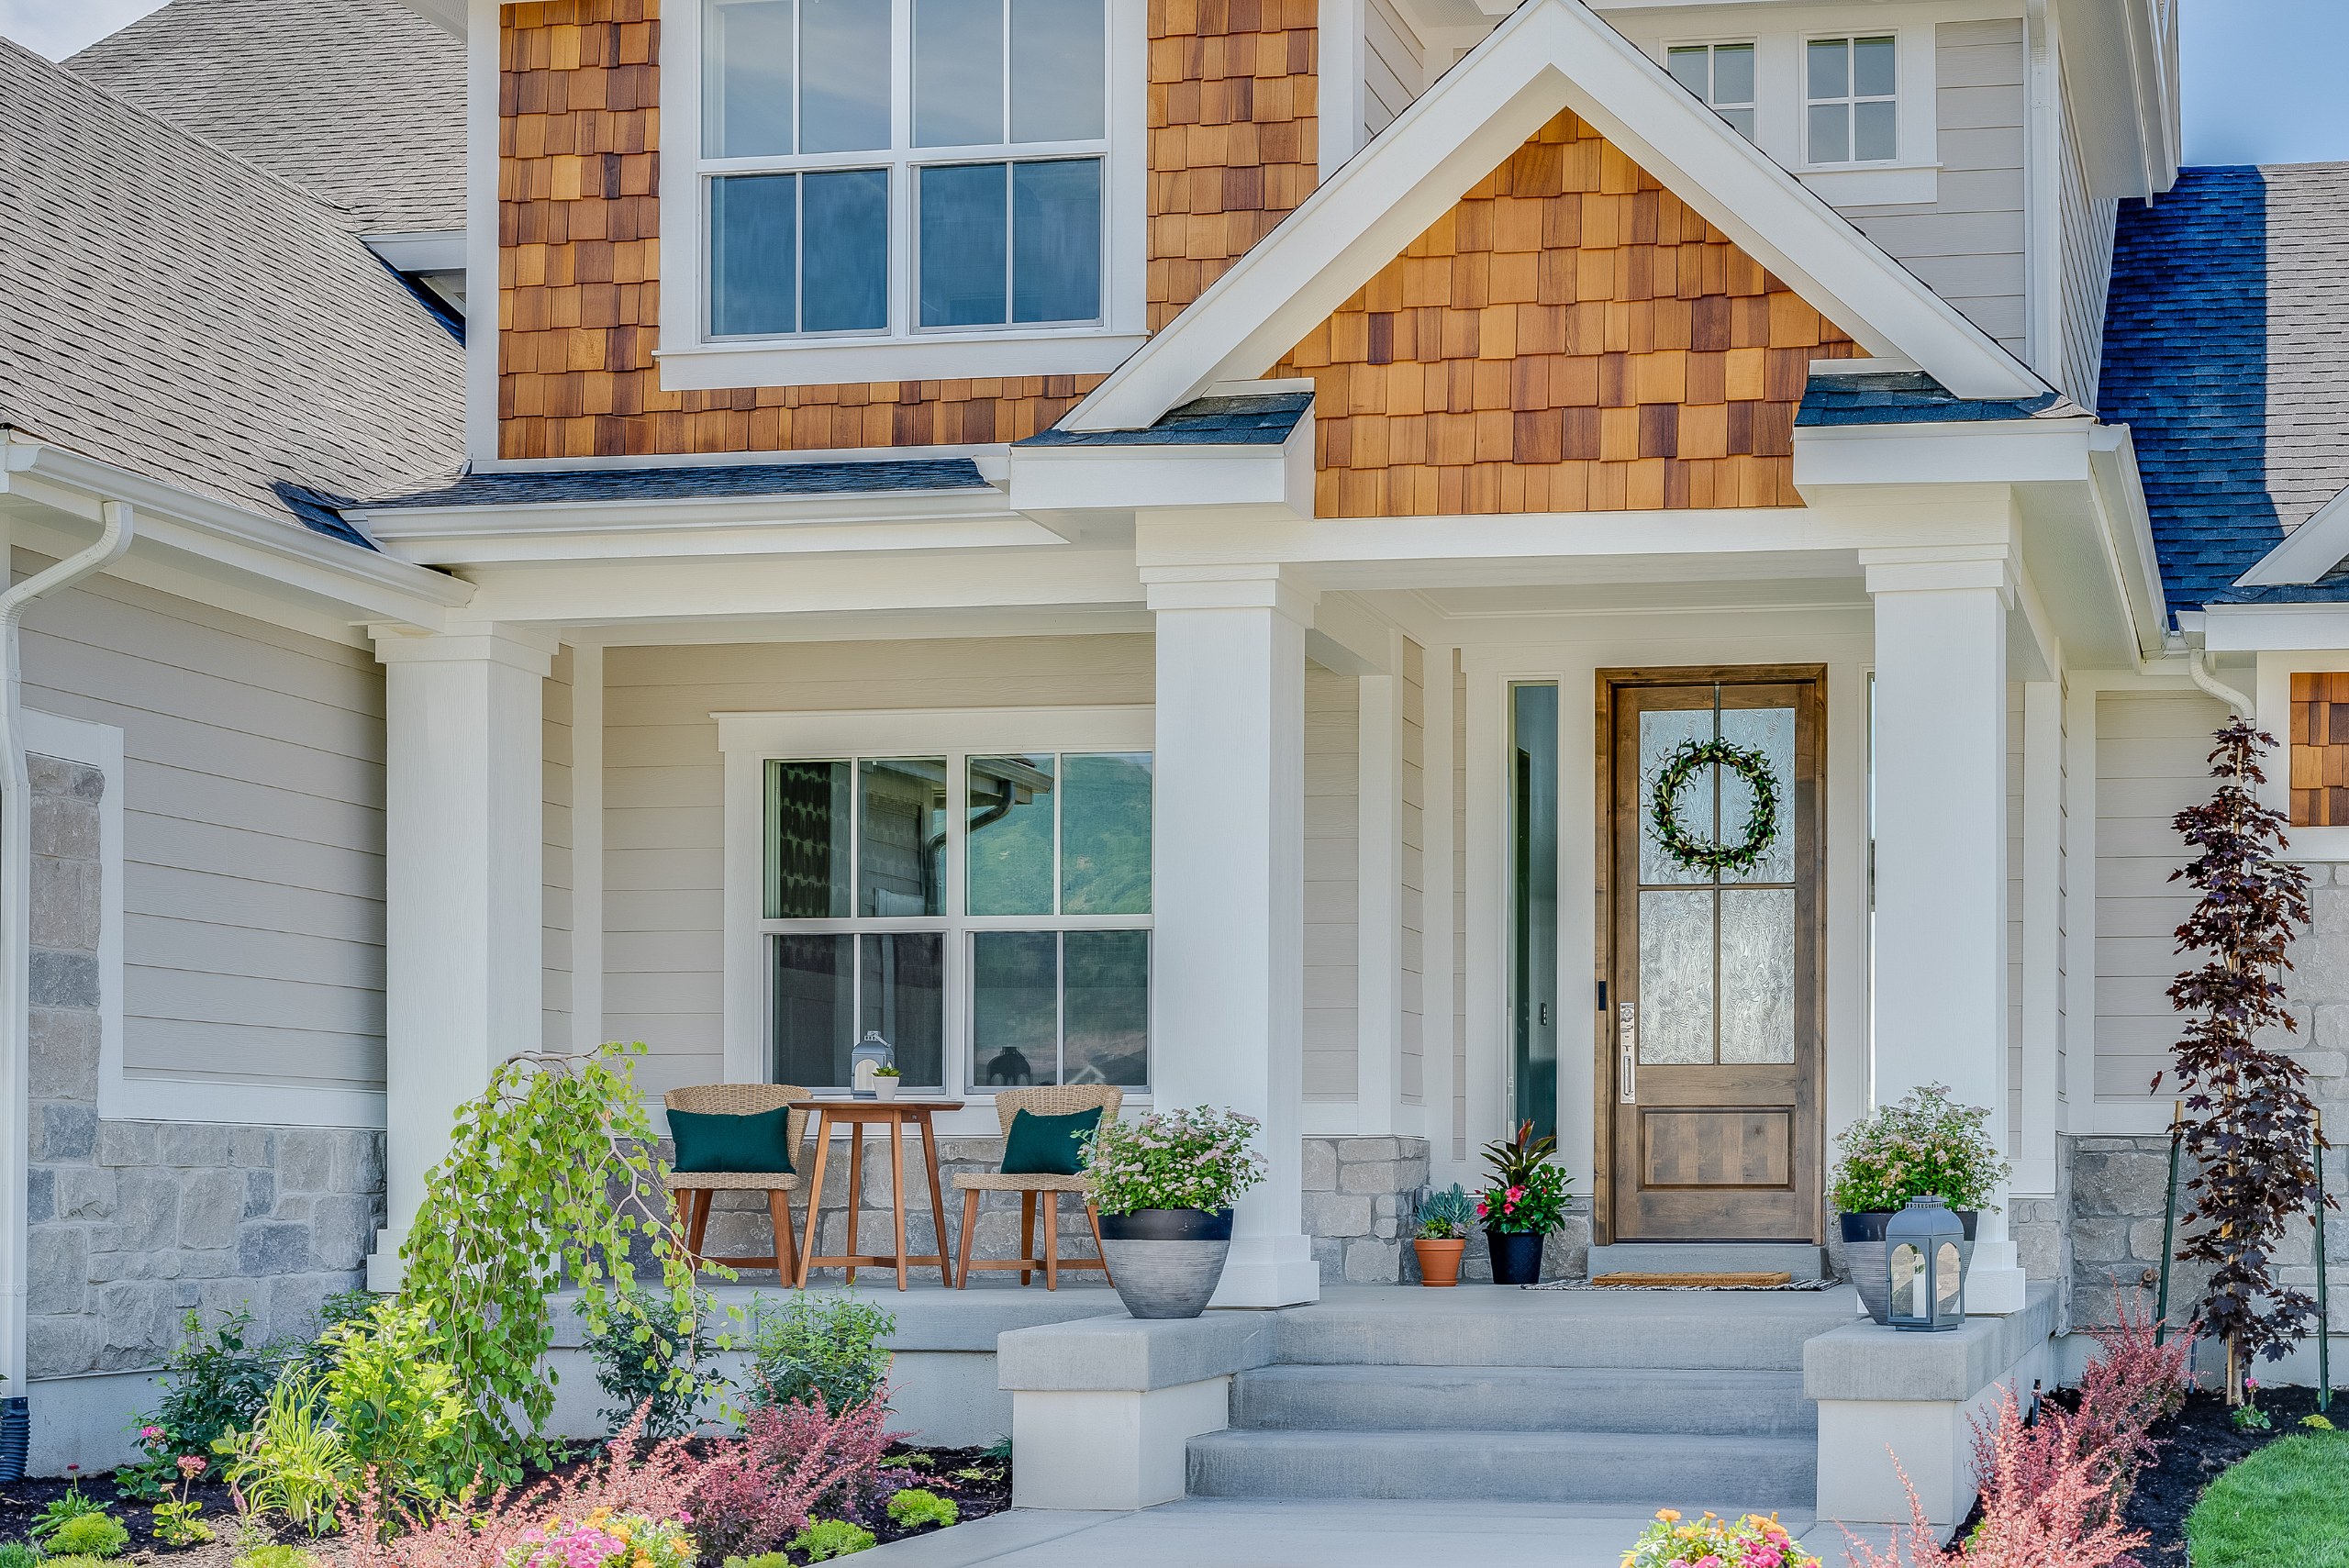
1228 998
463 888
1940 850
2043 920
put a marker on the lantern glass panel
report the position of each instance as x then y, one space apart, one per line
1947 1275
1907 1266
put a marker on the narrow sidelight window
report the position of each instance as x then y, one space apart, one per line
1533 906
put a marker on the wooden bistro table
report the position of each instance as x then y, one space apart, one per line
859 1114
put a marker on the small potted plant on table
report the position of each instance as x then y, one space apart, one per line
885 1083
1439 1235
1525 1201
1165 1184
1927 1145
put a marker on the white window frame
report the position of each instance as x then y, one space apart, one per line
690 359
750 740
1750 40
1901 131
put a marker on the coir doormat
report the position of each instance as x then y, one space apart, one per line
1805 1284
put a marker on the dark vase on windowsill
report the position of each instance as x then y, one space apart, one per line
1863 1255
1516 1256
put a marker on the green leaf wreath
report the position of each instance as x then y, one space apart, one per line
1761 826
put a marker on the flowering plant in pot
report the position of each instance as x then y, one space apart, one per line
1926 1145
1753 1542
1165 1184
1439 1235
1525 1201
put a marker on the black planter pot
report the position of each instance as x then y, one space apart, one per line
1516 1256
1165 1262
1866 1232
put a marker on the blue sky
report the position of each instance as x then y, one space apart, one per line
2263 77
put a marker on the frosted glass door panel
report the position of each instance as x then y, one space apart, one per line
1676 977
1662 734
1758 975
1771 732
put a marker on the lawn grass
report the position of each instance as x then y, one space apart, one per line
2286 1506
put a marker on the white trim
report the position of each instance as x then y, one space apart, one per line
711 367
1904 115
2314 846
435 250
586 844
2308 552
1552 54
486 286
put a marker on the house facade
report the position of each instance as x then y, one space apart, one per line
1166 542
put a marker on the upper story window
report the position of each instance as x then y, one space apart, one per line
891 167
1720 74
1852 105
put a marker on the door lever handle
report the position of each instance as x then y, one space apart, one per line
1627 1032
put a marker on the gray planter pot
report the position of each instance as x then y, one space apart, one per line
1166 1262
1863 1255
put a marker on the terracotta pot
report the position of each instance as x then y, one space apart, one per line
1863 1255
1516 1256
1438 1262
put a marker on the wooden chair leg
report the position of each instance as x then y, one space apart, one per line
970 1228
779 1210
1027 1231
1092 1214
697 1226
1051 1240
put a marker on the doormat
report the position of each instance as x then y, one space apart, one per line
1701 1278
1807 1284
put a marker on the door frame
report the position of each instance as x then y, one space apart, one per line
1608 810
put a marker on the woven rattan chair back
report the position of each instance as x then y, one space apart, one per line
694 1197
747 1099
1058 1099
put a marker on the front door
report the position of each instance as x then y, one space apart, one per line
1711 974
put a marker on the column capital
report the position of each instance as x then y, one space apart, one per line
1242 586
1913 569
528 649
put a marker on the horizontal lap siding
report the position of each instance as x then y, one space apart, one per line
665 792
1414 869
2150 754
2088 222
253 826
1569 338
1393 73
1332 886
557 879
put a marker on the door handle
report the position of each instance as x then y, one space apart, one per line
1627 1032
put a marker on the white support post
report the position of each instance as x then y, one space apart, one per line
1378 917
1941 902
2043 932
1227 998
586 846
464 889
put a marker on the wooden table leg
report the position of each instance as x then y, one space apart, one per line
936 1198
855 1173
897 1190
815 1197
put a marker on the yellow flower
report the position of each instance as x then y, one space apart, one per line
1669 1516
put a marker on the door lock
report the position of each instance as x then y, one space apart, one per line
1627 1032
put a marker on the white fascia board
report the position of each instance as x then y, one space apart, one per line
1832 458
2308 552
2275 628
279 559
438 251
2128 528
2118 63
1046 480
1550 55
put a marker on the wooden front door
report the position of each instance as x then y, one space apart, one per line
1713 1037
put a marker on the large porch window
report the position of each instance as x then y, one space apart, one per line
987 912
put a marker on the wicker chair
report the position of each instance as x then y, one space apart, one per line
1064 1100
694 1190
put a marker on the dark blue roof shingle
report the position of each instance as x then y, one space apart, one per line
1243 421
1905 397
714 482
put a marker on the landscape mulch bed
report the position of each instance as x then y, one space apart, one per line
21 1502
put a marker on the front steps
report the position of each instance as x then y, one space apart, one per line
1681 1400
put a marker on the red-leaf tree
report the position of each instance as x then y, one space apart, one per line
2251 1128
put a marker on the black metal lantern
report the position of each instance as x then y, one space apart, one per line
870 1053
1924 1253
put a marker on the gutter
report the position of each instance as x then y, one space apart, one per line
2197 666
15 928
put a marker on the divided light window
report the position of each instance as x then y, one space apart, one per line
996 940
1722 76
956 144
1850 83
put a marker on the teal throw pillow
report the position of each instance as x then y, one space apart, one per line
757 1143
1048 1145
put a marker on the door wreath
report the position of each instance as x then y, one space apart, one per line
1761 826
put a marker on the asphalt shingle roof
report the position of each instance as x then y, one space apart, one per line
1911 397
688 483
1246 421
2226 351
360 101
172 310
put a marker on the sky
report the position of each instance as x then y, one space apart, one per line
2246 101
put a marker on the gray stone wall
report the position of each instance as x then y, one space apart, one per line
1357 1195
132 1223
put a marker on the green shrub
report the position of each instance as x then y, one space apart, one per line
59 1511
89 1535
831 1537
645 1353
914 1507
828 1345
292 1462
19 1554
763 1559
83 1560
395 1400
277 1557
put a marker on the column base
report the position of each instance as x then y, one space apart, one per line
1994 1281
1269 1271
385 1272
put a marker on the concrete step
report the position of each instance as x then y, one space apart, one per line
1500 1327
1798 1259
1523 1399
1648 1470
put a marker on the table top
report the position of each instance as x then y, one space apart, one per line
876 1110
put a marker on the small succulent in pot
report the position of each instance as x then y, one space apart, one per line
885 1083
1439 1235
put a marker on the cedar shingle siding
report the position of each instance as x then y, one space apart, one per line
2320 750
1569 338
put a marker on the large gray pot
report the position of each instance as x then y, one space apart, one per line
1863 1255
1166 1262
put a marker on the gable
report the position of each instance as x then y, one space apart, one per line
1570 337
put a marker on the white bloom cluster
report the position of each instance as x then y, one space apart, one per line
1196 1158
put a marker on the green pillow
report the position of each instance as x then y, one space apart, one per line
1048 1145
757 1143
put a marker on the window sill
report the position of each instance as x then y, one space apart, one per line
712 367
1874 184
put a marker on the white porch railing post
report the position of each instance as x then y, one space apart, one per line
1226 997
463 894
1940 850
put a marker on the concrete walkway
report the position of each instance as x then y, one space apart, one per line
1346 1533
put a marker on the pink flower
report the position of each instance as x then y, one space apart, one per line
192 1466
147 1434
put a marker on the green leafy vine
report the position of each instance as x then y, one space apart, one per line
1761 825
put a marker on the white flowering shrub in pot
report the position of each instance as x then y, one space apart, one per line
1926 1145
1165 1184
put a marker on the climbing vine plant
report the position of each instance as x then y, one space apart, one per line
549 1172
2249 1127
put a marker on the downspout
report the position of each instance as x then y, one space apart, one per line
2197 667
16 929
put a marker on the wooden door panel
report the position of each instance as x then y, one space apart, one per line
1729 1146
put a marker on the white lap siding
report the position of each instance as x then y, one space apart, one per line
1332 886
